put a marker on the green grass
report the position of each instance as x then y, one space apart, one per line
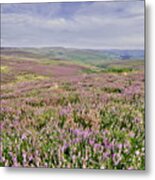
29 77
4 69
118 70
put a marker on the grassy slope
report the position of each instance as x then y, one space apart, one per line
94 60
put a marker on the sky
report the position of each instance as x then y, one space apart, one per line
86 25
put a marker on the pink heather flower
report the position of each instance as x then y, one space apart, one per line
11 154
106 141
14 159
86 134
96 146
37 152
91 142
2 159
64 147
120 146
24 156
77 132
73 157
77 140
15 163
64 111
1 125
31 158
107 144
105 155
23 137
137 120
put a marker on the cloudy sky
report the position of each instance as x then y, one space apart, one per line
95 25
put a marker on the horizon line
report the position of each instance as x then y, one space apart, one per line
41 47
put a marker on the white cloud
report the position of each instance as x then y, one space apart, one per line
99 25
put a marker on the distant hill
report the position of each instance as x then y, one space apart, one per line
71 54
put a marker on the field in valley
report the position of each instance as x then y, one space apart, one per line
63 113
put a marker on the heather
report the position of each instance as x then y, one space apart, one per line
69 115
